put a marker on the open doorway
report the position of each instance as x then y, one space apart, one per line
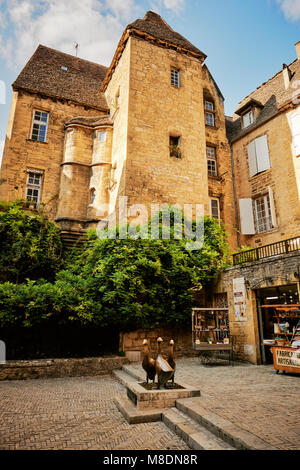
280 295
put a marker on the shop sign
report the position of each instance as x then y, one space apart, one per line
239 298
287 357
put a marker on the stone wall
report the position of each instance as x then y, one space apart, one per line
21 153
54 368
133 341
272 272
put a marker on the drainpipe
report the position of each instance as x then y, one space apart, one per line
235 199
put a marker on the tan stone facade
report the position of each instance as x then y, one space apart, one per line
84 177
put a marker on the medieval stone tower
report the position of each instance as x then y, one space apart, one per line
151 127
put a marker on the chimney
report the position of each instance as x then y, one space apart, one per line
297 45
287 75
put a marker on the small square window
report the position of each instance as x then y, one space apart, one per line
175 78
175 150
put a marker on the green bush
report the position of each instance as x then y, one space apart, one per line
30 245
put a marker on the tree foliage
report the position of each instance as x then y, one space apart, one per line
30 244
126 284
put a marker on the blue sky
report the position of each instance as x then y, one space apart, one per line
246 41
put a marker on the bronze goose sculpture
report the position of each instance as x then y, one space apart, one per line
163 369
171 360
148 363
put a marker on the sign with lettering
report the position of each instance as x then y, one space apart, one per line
239 299
287 357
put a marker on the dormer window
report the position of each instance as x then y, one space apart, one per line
248 118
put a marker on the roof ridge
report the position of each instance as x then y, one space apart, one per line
265 83
151 12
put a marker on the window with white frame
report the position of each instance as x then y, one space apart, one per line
175 78
263 214
215 208
209 106
211 161
258 215
39 125
248 118
258 155
34 187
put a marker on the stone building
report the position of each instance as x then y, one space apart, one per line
264 135
152 128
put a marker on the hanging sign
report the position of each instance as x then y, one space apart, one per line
239 299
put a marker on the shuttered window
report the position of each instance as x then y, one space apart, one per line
246 216
295 128
258 215
258 155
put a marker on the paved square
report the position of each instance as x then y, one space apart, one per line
79 413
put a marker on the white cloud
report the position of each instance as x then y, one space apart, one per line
290 8
174 5
96 26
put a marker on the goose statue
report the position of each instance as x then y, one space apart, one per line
148 363
163 370
171 360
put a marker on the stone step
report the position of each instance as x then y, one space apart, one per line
196 436
222 428
123 377
134 416
139 376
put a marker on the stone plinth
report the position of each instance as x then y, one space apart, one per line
158 399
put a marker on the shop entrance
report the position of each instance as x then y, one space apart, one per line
266 298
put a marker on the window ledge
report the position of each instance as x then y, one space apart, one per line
215 177
37 141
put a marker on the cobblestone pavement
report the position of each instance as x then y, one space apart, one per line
79 413
252 397
73 413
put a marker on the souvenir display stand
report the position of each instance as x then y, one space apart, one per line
211 330
285 346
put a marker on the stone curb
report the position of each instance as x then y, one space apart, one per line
134 416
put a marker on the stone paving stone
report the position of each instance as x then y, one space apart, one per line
74 413
252 397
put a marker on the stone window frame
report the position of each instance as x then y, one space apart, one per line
38 122
34 186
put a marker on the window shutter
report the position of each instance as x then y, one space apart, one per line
252 159
272 205
262 153
295 126
246 217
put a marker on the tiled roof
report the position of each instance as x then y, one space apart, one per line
155 25
80 83
272 95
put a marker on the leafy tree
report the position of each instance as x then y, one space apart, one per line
30 244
